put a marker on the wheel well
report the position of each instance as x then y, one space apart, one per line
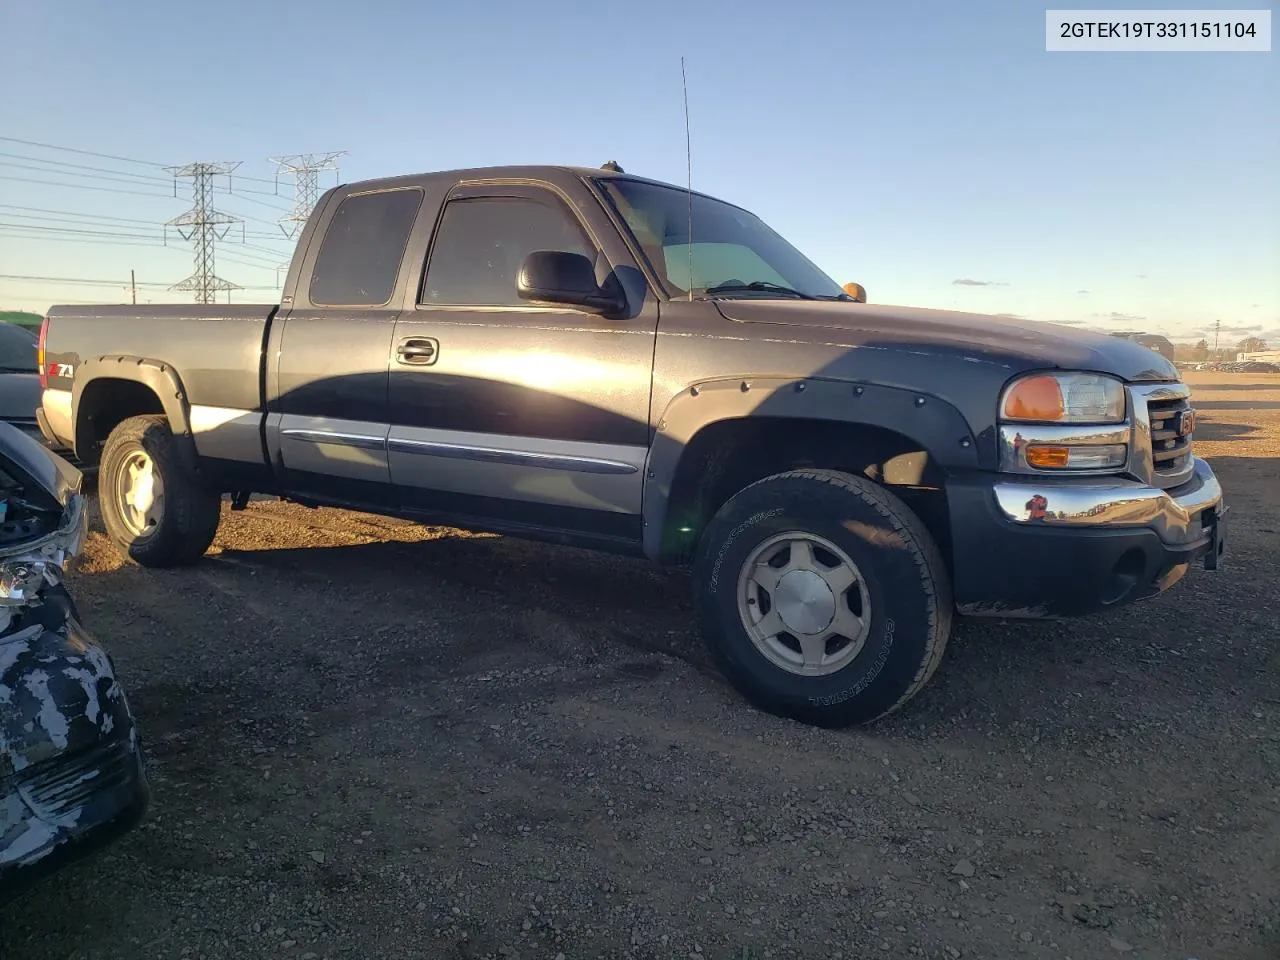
103 405
726 456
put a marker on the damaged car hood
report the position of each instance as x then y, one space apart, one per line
36 467
921 330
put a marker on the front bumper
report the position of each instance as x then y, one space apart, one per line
1041 548
72 776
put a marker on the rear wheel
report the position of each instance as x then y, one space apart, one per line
154 510
822 597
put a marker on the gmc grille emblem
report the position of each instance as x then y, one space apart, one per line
1186 423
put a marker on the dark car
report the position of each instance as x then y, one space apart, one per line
20 387
19 378
71 770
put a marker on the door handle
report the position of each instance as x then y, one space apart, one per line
420 351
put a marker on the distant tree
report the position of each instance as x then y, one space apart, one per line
1202 350
1251 345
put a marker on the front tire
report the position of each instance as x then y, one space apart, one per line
154 510
822 597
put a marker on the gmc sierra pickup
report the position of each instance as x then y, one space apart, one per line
592 358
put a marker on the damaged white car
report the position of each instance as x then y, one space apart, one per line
71 771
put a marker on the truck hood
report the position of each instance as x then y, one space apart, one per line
1023 343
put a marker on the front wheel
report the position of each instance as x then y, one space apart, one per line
154 510
822 597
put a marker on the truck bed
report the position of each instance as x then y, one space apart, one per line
217 351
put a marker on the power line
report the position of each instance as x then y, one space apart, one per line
43 302
110 156
88 186
79 166
251 259
87 153
264 250
243 194
110 242
269 223
80 231
70 216
261 193
72 213
100 283
227 258
34 168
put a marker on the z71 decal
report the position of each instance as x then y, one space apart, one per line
62 370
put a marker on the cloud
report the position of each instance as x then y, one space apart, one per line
1141 276
1011 316
966 282
1253 329
1082 292
1069 323
1117 317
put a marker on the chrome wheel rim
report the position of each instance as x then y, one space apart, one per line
139 493
804 603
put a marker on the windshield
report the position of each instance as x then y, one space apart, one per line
17 349
733 253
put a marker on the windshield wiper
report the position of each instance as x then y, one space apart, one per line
763 286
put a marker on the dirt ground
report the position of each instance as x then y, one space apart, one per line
374 739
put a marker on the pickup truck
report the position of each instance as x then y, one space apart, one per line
592 358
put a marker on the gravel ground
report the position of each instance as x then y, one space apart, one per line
374 739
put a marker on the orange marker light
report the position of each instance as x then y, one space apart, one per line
1036 398
1046 457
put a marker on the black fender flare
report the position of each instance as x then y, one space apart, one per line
936 425
159 377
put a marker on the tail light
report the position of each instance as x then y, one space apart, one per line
44 374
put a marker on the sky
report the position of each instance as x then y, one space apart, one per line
932 151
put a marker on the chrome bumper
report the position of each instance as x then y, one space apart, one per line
1175 515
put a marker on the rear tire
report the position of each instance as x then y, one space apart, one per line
822 597
155 511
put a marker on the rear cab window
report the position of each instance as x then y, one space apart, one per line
360 256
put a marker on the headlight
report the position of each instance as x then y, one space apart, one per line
1064 423
1064 398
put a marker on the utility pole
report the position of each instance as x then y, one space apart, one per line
202 225
1217 326
305 168
133 284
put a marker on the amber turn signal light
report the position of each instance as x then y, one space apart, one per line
1048 457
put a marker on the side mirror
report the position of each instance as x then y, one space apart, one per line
553 276
856 290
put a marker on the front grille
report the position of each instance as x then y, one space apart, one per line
1170 452
65 785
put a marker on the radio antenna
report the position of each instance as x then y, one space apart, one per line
688 161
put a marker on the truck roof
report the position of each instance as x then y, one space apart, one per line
544 171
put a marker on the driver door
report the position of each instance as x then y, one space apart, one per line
508 411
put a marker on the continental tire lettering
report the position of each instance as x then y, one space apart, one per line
878 665
737 531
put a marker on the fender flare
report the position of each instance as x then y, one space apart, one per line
936 425
161 378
